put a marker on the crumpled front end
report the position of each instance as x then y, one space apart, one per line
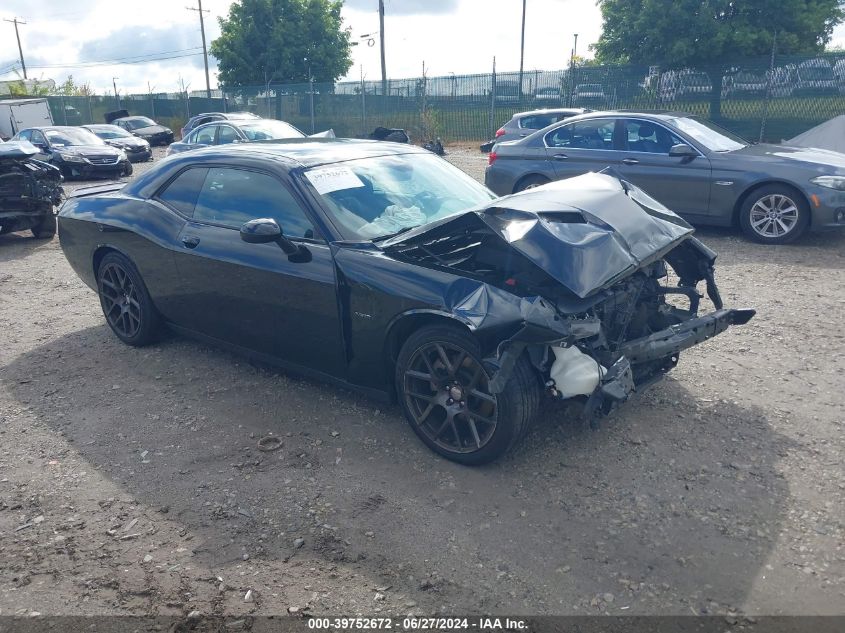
597 283
29 188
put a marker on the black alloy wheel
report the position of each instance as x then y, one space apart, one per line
443 387
126 304
447 394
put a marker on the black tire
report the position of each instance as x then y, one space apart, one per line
481 426
46 228
126 304
127 171
529 182
769 209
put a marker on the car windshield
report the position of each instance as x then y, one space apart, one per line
136 123
713 137
71 136
268 130
111 132
373 198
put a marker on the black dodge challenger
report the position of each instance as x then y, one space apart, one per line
383 267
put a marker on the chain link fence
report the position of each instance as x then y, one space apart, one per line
768 99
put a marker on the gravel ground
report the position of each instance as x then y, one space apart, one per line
131 481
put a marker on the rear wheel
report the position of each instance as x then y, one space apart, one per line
126 303
443 388
774 214
530 182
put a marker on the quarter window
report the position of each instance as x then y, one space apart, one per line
233 196
589 134
539 121
181 194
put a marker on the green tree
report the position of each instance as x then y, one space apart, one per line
69 88
279 40
711 35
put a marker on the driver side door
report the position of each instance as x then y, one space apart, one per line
252 295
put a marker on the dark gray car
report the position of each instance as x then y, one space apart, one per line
696 168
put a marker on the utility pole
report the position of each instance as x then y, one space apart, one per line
116 96
522 50
15 21
381 39
204 49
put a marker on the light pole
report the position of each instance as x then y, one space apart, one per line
522 50
381 36
572 68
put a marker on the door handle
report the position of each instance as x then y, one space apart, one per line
560 157
630 161
190 241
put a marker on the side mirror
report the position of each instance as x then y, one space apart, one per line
682 150
266 230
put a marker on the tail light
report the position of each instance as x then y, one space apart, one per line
500 132
491 158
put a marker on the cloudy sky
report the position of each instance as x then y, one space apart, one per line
86 38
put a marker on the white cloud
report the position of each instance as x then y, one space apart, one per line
450 36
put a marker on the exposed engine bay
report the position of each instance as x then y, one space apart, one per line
29 188
595 281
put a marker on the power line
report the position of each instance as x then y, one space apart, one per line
146 59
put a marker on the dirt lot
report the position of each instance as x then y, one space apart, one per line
131 481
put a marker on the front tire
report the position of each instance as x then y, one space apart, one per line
774 214
443 388
126 304
128 169
530 182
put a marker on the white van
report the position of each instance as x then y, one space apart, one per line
18 114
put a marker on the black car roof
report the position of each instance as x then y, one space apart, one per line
308 152
288 154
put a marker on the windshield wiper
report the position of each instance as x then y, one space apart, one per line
404 229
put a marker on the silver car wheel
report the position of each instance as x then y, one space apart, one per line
774 216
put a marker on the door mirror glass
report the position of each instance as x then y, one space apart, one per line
682 150
261 231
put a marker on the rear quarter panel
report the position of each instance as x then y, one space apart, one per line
146 232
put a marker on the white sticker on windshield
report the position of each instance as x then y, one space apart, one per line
333 178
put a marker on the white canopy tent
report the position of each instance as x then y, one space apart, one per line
828 135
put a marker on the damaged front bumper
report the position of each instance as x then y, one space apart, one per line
658 351
618 383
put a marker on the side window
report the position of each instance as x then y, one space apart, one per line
205 136
644 136
181 194
38 137
226 134
25 135
537 121
590 134
233 196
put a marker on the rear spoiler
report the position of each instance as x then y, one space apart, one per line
93 190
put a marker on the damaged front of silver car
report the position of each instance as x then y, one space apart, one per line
594 281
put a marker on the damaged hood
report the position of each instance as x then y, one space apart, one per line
585 232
